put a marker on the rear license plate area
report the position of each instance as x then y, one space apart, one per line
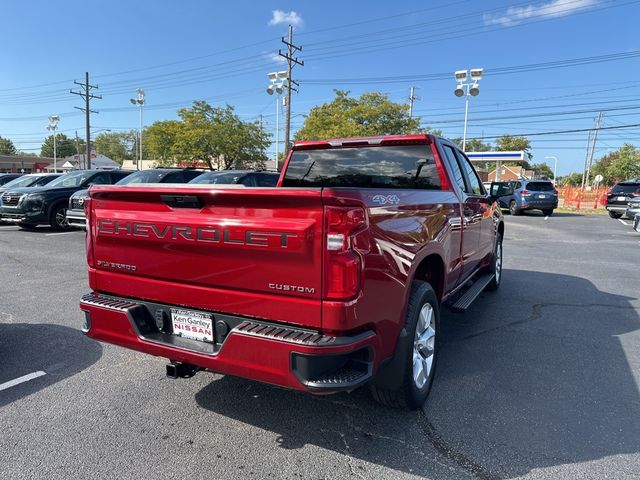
192 324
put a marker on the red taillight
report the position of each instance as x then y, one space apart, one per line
635 194
555 192
524 192
89 243
343 264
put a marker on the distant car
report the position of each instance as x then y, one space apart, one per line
248 178
633 208
620 195
522 195
30 207
29 180
75 212
7 177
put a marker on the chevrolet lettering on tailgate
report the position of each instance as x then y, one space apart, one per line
210 234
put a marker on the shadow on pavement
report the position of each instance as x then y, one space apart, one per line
531 377
58 351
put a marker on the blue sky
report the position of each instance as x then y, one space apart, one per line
221 51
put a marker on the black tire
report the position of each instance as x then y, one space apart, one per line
496 266
58 217
613 214
411 395
547 212
27 226
513 208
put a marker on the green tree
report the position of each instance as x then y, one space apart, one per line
542 170
115 145
65 146
513 143
159 139
371 114
7 147
217 135
472 145
626 164
571 180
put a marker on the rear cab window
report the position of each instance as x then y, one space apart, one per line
397 166
540 186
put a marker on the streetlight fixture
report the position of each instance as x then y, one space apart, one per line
53 125
555 168
277 80
467 89
139 100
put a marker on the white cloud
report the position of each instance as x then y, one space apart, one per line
290 18
274 57
554 8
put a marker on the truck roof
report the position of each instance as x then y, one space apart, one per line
415 139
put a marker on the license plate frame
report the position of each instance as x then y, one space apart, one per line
621 199
192 324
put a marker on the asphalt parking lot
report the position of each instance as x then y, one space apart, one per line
538 381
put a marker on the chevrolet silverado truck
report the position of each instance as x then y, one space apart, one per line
331 280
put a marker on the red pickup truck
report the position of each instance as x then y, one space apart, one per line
331 280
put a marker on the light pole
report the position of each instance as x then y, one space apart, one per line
277 80
467 89
139 100
53 125
555 168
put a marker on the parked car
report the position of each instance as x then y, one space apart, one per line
7 177
332 280
29 180
636 222
30 207
76 216
522 195
633 208
620 195
248 178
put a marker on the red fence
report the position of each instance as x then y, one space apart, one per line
581 199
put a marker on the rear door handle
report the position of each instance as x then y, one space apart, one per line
182 201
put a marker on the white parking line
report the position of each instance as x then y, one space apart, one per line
7 227
623 222
60 233
546 217
22 379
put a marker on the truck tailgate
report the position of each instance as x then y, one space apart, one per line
254 252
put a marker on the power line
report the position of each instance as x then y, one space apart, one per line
291 61
560 131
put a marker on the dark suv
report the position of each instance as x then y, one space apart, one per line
75 213
620 195
522 195
30 207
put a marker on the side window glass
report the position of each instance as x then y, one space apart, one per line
174 177
458 177
101 179
474 182
248 181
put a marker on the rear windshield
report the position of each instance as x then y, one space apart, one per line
626 188
144 176
540 186
407 166
216 177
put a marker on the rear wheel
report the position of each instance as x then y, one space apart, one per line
422 324
613 214
513 208
496 266
58 217
547 211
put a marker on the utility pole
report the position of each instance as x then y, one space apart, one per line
589 160
412 97
78 148
291 61
87 95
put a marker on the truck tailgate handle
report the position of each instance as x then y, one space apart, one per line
182 201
